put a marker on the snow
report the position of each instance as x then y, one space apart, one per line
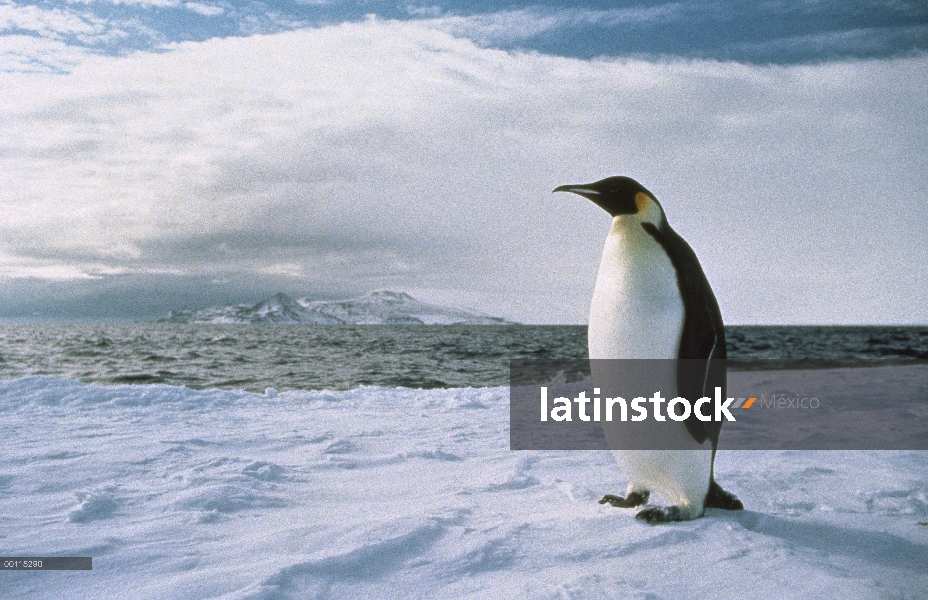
381 307
400 493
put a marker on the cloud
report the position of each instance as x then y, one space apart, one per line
38 39
508 26
76 27
723 30
865 41
388 154
141 3
30 54
207 10
48 22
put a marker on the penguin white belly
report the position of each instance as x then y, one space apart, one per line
637 312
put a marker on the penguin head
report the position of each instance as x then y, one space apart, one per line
620 196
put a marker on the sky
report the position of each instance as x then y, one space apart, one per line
160 154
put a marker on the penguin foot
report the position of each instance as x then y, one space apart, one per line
632 500
661 514
716 497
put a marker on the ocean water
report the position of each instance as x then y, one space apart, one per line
314 357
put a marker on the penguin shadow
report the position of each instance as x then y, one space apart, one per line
878 547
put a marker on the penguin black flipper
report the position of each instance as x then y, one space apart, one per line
702 354
702 340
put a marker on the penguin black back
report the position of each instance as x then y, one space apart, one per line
702 341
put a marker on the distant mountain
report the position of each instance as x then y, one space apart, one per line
377 308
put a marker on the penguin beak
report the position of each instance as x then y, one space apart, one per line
581 190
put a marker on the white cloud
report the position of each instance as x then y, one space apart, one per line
143 3
54 23
29 54
35 39
207 10
515 25
386 154
872 41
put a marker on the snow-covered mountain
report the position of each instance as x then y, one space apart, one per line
377 308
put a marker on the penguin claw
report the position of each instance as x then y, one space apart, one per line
660 514
632 500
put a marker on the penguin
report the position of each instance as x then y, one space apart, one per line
652 300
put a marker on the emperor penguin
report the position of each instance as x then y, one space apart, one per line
652 300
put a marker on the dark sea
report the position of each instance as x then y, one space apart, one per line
315 357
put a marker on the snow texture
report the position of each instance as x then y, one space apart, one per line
401 493
377 308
